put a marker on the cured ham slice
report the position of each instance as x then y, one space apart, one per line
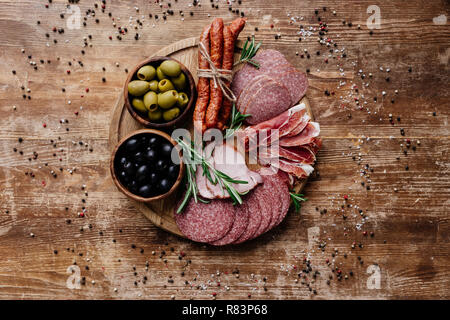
311 131
299 170
303 154
231 162
291 121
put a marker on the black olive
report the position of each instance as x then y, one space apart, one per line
154 178
142 173
145 191
160 165
143 139
129 168
152 141
173 171
166 150
164 185
150 155
139 157
122 161
132 145
133 186
123 177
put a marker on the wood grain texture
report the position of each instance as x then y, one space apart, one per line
406 209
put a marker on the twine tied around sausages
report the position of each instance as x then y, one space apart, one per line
218 75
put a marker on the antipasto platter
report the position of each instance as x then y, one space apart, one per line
195 200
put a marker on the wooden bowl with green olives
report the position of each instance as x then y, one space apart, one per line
143 166
160 93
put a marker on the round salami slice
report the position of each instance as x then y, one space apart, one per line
296 82
276 208
264 192
284 197
206 222
271 100
240 224
243 78
267 59
252 204
257 83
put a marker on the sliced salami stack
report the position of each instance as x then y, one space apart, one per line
268 91
220 223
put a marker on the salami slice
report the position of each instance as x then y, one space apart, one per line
251 201
271 100
284 196
206 222
296 82
240 224
276 208
257 83
267 59
270 59
265 192
242 78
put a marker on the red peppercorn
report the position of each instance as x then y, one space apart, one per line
87 89
346 197
68 71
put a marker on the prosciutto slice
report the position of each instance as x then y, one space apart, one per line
288 123
297 169
311 131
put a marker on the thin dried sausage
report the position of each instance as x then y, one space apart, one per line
216 38
230 34
203 85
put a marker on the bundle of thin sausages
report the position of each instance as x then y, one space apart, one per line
212 110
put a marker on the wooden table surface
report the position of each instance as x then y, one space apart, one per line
381 184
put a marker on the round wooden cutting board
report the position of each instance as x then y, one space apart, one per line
161 212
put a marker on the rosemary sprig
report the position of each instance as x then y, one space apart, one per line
248 52
213 175
297 199
235 122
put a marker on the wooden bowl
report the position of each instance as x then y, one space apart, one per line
124 189
192 93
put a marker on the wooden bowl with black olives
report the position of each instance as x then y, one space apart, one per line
160 93
146 165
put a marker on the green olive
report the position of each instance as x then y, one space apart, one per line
138 104
180 81
155 115
183 100
167 100
165 85
146 73
171 68
171 114
150 99
160 74
153 108
138 87
154 85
